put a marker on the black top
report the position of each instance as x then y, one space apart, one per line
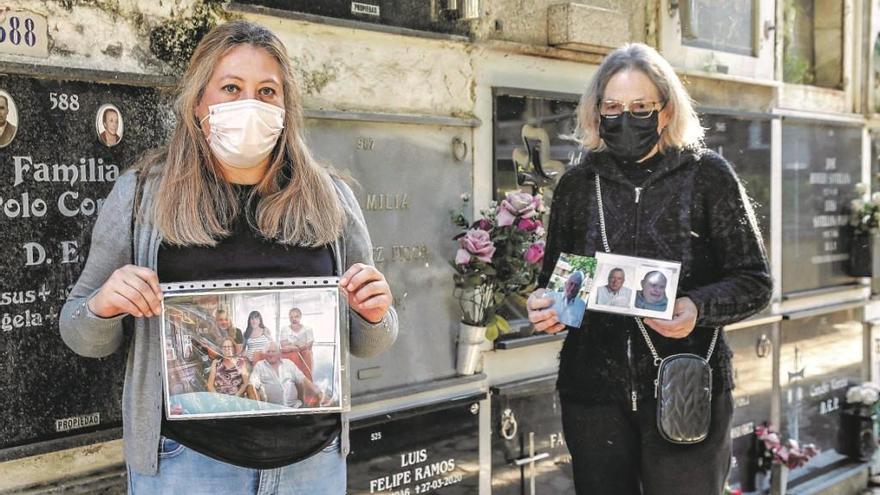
258 442
689 209
638 173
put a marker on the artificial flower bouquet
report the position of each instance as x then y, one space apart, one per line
789 453
499 256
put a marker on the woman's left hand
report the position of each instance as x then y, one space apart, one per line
368 292
684 319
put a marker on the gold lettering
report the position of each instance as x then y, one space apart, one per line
409 253
387 202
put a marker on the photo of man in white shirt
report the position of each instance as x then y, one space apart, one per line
614 294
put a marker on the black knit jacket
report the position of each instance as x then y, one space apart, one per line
691 209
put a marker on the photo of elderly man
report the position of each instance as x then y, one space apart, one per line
279 381
653 294
568 306
614 294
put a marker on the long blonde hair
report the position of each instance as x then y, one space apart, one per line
683 129
297 201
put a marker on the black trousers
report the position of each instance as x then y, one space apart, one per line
616 451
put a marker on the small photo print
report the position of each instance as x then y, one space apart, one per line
234 353
569 287
635 286
108 125
8 118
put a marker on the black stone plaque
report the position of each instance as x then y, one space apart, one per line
526 417
56 170
412 14
433 449
753 375
745 142
819 358
821 163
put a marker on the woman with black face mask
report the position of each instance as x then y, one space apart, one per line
663 196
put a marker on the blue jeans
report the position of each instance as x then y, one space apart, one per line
183 470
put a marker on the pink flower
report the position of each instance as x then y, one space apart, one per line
535 253
474 243
528 224
515 205
538 203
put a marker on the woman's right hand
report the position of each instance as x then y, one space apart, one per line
544 320
131 289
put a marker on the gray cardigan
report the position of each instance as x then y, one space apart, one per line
93 336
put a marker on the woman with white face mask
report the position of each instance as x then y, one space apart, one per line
235 194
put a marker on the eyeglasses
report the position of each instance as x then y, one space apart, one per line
640 109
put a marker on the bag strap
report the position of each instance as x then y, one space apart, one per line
654 354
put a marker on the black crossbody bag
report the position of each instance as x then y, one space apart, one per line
683 387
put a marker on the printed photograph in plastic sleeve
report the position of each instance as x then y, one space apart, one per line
634 286
253 347
569 287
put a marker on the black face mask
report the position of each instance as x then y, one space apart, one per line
629 139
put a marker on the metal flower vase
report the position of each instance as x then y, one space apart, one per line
470 349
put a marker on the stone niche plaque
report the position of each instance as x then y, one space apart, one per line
62 146
527 417
409 179
433 449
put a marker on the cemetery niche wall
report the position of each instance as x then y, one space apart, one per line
63 145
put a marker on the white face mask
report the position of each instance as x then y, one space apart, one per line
243 133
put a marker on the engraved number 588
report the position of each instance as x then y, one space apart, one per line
63 101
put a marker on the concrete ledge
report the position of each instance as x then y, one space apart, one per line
850 479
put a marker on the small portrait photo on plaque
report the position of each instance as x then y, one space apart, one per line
8 118
235 348
569 287
108 125
634 286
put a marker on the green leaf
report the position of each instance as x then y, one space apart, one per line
492 331
502 324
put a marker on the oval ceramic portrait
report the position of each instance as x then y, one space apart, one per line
8 118
108 125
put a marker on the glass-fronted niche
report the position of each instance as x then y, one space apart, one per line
821 163
753 375
819 358
744 140
532 149
875 160
734 37
813 42
532 144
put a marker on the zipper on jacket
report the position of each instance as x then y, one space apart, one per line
634 395
638 191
